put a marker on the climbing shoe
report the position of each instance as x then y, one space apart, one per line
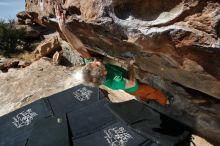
170 98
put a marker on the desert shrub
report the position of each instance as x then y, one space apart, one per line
11 38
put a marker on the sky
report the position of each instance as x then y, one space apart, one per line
9 8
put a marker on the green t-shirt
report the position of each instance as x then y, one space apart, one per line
87 60
115 78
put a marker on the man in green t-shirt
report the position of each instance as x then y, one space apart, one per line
96 73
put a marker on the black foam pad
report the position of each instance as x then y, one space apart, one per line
149 123
85 120
17 140
16 126
52 131
116 134
96 125
74 98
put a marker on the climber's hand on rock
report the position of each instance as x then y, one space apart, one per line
131 62
60 16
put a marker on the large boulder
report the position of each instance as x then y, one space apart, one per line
47 48
177 40
174 31
70 57
61 52
31 32
22 15
197 110
7 63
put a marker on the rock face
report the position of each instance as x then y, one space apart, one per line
6 64
175 40
31 32
70 57
47 48
195 109
182 37
61 52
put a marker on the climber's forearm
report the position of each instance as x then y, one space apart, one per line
131 73
131 82
71 38
75 42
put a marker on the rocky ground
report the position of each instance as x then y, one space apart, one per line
42 78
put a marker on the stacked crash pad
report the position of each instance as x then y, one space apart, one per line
82 116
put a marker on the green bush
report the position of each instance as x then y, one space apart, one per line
11 38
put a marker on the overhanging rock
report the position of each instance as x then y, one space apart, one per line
161 34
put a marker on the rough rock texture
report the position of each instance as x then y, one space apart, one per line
22 86
183 36
57 57
197 110
70 57
61 52
175 40
31 32
22 15
47 48
6 64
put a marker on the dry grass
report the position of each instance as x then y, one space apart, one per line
25 56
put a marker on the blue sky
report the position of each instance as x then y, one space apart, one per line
9 8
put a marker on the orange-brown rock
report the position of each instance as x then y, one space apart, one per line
6 64
57 57
47 48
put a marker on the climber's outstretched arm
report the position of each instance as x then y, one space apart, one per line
74 41
131 71
131 81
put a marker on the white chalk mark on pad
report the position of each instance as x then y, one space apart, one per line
24 118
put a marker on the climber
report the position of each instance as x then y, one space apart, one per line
96 73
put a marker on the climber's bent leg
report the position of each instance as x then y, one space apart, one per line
147 93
